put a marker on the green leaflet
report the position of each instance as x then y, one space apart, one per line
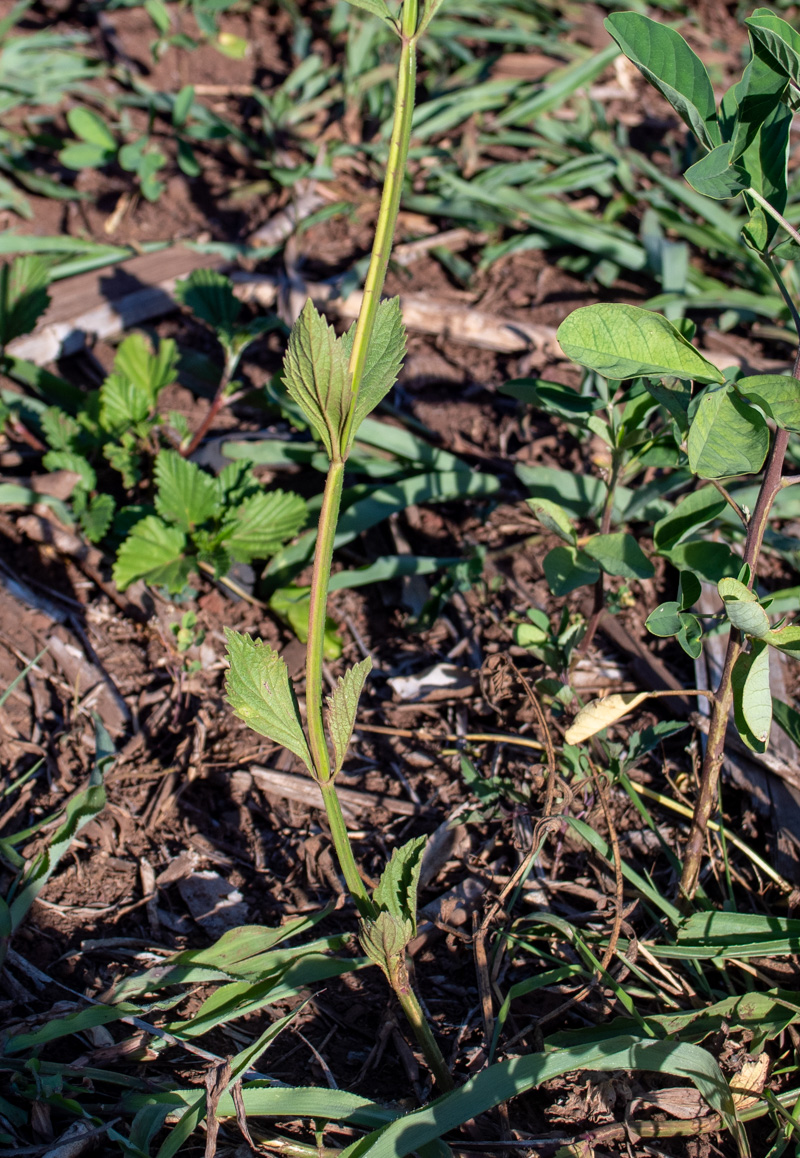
664 621
262 523
260 692
151 371
510 1078
670 65
90 127
752 703
387 348
566 568
155 552
186 496
554 518
787 639
694 510
342 708
317 377
594 336
778 40
210 297
375 8
717 175
778 396
384 939
726 436
743 608
619 554
766 160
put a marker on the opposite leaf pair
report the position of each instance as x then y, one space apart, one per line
317 374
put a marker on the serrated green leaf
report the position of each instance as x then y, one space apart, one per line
210 297
262 524
150 370
619 554
726 436
622 342
554 518
396 892
317 377
387 348
23 296
670 65
60 429
752 702
90 126
566 568
342 709
778 396
259 690
153 552
384 940
123 403
69 460
696 509
95 516
664 621
717 175
185 495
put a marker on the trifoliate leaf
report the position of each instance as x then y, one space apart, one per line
342 708
317 378
752 703
601 714
186 495
260 692
153 552
387 348
566 568
743 608
23 296
262 524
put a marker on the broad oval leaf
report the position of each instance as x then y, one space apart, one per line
622 341
619 554
664 621
667 61
726 436
601 714
743 608
778 396
694 510
752 702
566 568
554 518
787 639
690 636
716 175
90 127
778 39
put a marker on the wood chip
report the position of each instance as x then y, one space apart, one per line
287 786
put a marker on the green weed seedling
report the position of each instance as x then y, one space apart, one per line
112 441
655 400
96 146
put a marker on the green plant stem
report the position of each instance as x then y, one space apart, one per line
605 526
390 207
344 851
771 484
422 1032
317 615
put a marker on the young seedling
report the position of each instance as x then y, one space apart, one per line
337 382
733 425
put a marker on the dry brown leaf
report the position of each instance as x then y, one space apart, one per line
600 714
751 1077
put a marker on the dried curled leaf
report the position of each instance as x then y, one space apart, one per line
600 714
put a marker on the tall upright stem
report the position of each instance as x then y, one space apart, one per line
718 724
